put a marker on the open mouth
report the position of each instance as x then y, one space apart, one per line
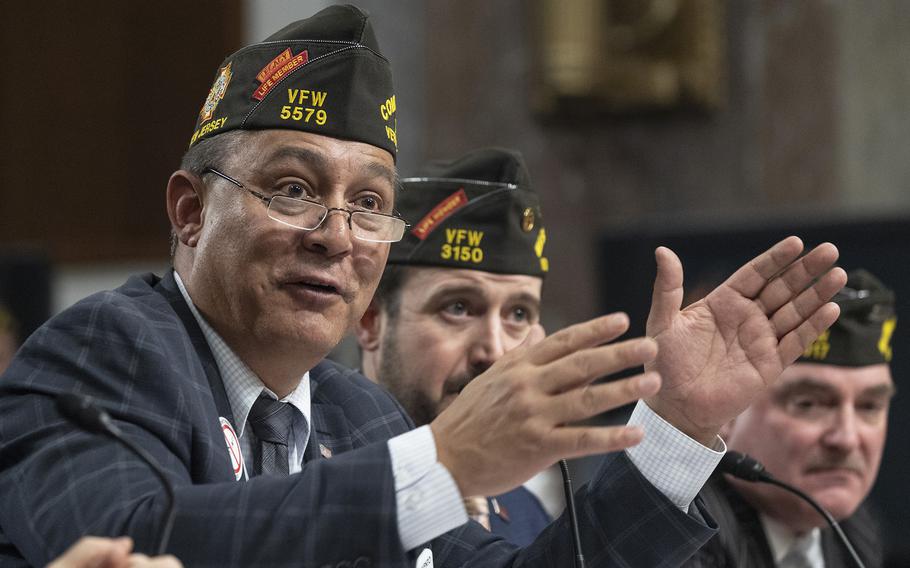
317 287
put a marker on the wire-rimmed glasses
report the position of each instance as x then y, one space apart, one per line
308 215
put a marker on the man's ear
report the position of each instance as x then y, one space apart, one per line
369 328
184 206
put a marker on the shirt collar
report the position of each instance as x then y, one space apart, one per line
781 539
241 384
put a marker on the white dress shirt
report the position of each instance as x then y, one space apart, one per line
784 544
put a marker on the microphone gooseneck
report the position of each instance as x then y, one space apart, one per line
573 518
748 468
83 413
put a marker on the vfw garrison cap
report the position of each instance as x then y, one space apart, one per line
476 212
862 334
324 74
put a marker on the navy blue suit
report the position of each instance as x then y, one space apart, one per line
138 351
517 516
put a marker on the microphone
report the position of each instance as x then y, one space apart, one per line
83 413
573 518
748 468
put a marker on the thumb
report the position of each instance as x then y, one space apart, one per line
666 300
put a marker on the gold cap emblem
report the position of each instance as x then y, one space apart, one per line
527 220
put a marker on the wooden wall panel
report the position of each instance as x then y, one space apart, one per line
97 103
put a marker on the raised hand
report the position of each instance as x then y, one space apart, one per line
717 354
514 420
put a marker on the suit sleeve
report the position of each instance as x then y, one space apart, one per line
623 519
60 483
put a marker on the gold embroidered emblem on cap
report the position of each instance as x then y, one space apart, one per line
884 342
308 114
820 347
216 93
387 111
462 245
527 220
538 250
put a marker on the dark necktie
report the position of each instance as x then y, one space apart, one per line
271 423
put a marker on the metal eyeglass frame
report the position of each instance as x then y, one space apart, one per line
326 210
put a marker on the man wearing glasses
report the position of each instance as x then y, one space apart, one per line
280 458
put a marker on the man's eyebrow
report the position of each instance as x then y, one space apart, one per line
375 169
450 289
299 154
467 290
526 298
880 391
302 155
804 384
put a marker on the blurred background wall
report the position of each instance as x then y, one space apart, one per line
656 119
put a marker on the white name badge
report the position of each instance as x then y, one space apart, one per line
233 446
425 560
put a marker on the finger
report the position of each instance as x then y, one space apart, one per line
797 277
143 561
794 343
581 367
579 441
792 314
666 300
755 274
591 400
535 336
94 552
580 336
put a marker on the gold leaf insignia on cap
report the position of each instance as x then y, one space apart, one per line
216 93
527 220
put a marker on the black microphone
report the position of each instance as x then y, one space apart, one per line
81 412
573 518
747 468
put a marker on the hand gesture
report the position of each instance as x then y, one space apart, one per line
717 354
516 418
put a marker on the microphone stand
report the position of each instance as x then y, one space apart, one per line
573 518
81 412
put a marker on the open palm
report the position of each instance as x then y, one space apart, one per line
717 354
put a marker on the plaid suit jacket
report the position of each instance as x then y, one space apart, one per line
742 543
140 354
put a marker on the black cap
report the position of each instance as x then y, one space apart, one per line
324 75
477 212
862 334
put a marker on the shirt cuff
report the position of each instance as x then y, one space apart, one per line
674 463
428 500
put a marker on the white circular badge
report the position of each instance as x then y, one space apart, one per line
233 445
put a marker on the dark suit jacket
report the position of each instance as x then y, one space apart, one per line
520 518
138 351
741 540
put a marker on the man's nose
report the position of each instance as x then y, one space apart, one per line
333 236
842 433
488 343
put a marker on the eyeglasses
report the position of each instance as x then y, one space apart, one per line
308 215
